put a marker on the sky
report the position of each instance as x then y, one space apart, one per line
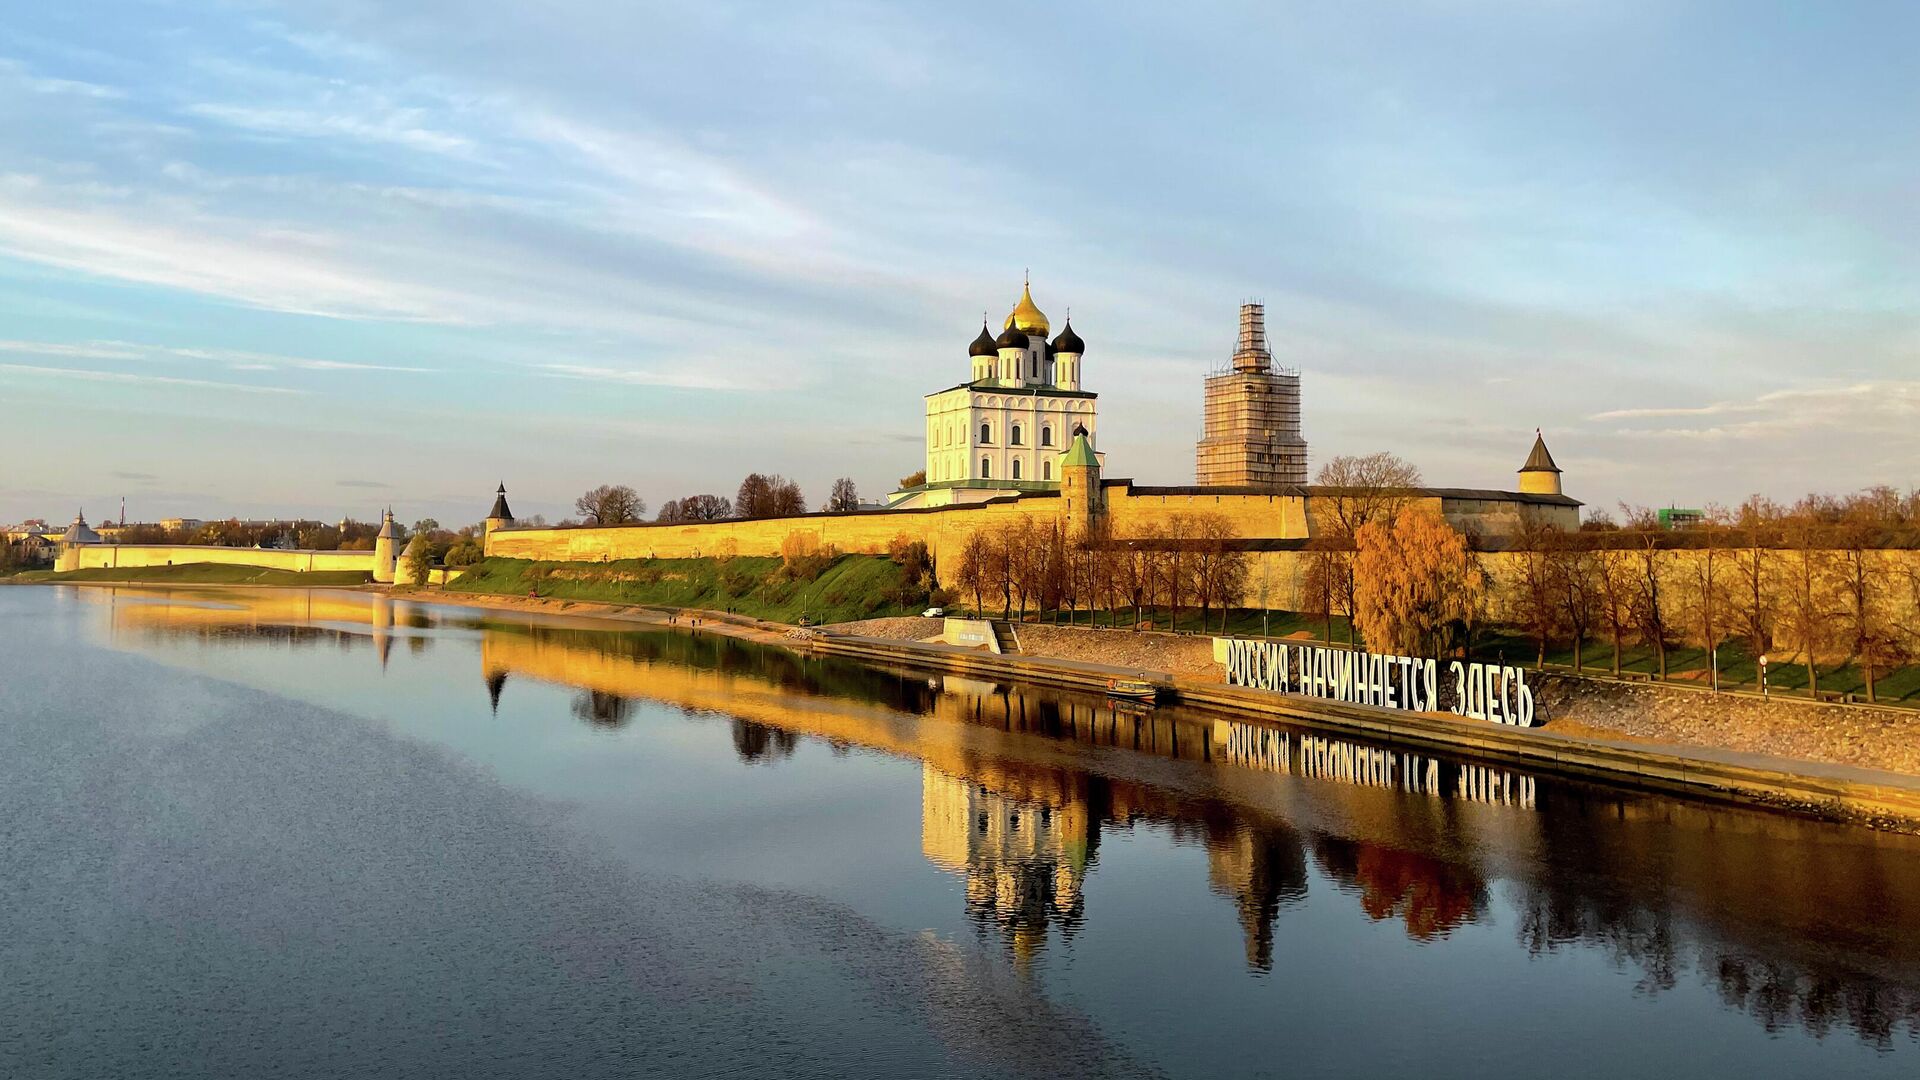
310 259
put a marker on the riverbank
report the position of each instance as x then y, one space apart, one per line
1674 741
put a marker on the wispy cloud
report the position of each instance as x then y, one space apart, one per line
236 359
120 474
1852 408
287 272
85 351
398 127
361 484
87 375
695 377
40 84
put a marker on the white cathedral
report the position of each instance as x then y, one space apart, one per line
1006 428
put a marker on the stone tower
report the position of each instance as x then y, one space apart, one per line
499 517
1540 476
1080 486
386 553
1251 434
77 536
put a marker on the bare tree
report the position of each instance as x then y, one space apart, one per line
1648 600
1323 585
1805 601
1175 560
696 508
1571 570
1613 578
1538 600
610 504
844 497
971 571
764 496
1707 569
1861 575
1356 490
1754 608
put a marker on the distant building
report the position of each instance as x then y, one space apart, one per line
1251 434
1675 518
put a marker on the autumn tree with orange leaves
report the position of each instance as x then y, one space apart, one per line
1417 587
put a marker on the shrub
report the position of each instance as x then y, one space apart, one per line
464 553
803 558
738 580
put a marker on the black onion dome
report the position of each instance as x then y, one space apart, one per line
1068 341
1011 338
982 345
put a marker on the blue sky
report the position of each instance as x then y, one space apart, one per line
312 258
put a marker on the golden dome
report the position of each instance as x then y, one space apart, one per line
1026 315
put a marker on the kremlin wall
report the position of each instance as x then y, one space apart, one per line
1018 439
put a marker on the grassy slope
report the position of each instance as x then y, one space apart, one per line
852 587
201 574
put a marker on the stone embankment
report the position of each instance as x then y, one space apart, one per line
1875 738
1675 715
1834 761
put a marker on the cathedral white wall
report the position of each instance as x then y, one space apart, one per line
954 449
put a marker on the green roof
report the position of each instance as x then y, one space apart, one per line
1080 453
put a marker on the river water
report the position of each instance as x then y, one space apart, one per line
292 833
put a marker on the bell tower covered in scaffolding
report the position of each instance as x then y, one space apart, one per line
1252 427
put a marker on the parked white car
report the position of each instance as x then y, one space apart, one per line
934 613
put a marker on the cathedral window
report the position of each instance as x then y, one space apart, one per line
986 468
1016 468
1046 470
1014 439
1046 435
986 433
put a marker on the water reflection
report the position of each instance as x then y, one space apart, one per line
1797 924
1024 848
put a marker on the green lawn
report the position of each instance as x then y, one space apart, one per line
201 574
851 587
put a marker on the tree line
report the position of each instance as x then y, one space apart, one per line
760 495
1021 564
1821 577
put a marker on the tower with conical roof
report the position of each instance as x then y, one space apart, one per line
1540 476
78 535
500 517
386 549
1251 433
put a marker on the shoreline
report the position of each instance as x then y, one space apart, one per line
1876 798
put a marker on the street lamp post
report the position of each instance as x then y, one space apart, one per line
1763 675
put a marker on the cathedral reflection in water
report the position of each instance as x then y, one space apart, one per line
1018 788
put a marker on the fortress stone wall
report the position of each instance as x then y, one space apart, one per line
1129 512
105 556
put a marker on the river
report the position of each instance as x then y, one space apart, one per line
299 833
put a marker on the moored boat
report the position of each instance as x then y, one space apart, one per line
1132 689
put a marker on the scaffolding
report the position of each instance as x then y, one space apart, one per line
1251 435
